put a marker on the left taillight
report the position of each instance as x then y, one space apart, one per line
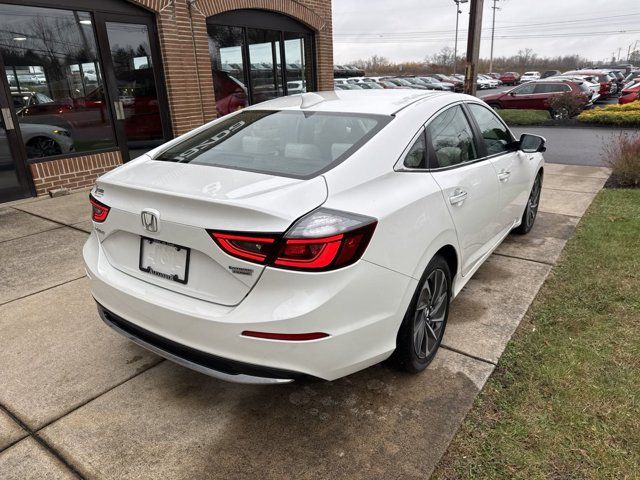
99 210
322 240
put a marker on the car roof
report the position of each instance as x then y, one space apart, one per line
372 102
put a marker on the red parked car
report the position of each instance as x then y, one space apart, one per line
608 83
536 95
510 78
631 93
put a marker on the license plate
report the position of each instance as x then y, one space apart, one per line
164 260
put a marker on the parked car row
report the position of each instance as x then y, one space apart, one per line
431 82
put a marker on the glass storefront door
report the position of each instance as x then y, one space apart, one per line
135 81
264 64
258 55
76 82
13 179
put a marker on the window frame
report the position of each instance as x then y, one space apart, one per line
478 131
431 154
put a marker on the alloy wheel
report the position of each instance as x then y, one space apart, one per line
430 314
534 201
42 147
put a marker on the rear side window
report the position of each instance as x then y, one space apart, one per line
286 143
417 155
451 139
551 88
495 135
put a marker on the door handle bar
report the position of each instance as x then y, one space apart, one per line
504 175
458 197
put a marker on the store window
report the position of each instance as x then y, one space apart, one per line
56 84
258 55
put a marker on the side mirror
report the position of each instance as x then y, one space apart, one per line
530 143
513 94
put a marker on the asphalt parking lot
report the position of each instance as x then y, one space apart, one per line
79 401
569 145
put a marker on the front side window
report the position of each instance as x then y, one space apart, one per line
495 136
451 139
526 89
55 78
286 143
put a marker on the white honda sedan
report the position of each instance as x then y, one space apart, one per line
309 236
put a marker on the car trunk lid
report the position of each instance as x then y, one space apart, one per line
186 200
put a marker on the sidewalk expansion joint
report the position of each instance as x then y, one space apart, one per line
57 227
569 190
62 224
43 290
89 400
469 355
525 259
43 443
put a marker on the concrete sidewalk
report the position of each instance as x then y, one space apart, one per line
77 400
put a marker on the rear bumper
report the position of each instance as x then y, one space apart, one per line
203 362
360 307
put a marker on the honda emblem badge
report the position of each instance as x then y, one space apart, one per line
150 220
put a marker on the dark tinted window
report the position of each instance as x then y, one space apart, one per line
525 89
495 135
417 155
551 88
451 138
288 143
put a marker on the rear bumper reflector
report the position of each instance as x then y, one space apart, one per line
288 337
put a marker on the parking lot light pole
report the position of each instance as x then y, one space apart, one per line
455 48
473 46
493 32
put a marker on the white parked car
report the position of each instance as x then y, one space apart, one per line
313 235
529 76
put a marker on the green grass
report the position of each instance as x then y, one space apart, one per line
564 401
524 117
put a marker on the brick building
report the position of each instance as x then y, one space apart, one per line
88 85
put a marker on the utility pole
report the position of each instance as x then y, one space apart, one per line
455 48
473 46
493 31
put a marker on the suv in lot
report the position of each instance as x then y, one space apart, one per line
608 83
537 95
510 78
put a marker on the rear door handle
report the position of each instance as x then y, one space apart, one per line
504 175
458 197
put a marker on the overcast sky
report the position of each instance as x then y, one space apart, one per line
404 30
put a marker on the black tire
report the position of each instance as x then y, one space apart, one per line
39 147
408 356
531 210
494 106
561 113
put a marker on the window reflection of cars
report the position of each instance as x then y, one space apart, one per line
231 94
142 112
27 99
295 87
39 141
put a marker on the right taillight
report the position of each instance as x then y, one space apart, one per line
99 210
322 240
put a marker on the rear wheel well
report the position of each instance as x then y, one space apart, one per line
448 252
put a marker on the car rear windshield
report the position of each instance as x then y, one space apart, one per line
286 143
